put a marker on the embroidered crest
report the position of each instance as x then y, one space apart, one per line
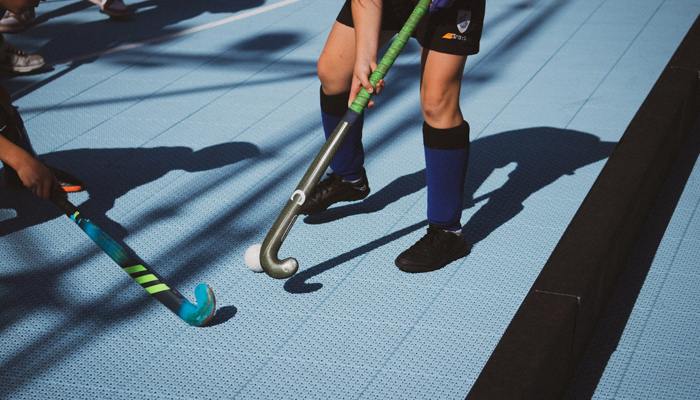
464 17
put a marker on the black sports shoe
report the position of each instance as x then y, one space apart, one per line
334 189
433 251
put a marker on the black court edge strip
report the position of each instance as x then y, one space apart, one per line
546 340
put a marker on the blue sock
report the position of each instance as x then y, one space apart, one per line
350 158
446 159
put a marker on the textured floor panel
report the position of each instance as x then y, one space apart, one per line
414 387
301 379
190 147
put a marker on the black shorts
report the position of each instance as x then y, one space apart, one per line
455 30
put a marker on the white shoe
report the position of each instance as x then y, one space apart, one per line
113 8
13 60
13 23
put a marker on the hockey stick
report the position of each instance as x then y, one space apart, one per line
149 280
282 269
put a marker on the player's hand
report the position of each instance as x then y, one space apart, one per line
37 177
360 80
436 5
19 6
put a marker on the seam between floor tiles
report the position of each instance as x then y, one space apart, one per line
632 42
538 70
419 315
70 385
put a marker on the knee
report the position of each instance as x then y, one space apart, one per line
431 104
328 76
323 69
437 107
333 79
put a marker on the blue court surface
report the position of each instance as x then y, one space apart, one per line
193 121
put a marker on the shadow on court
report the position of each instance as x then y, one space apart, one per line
110 173
537 157
72 39
148 19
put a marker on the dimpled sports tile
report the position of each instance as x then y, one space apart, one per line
191 142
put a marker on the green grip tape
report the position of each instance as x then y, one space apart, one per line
387 61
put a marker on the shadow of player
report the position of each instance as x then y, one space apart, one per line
110 173
536 157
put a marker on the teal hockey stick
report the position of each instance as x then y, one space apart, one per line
282 269
144 276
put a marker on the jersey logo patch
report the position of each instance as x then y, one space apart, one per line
454 36
464 17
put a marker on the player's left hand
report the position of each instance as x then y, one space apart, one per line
436 5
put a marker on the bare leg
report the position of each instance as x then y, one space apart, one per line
337 61
446 147
441 82
335 70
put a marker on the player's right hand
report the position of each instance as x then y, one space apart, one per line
37 177
19 6
360 80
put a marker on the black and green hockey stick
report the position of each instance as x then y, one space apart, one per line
282 269
149 280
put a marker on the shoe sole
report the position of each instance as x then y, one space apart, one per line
415 270
318 211
12 30
22 69
114 15
104 9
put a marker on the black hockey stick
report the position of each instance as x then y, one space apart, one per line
282 269
149 280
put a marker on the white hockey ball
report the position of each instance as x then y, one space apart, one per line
252 258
